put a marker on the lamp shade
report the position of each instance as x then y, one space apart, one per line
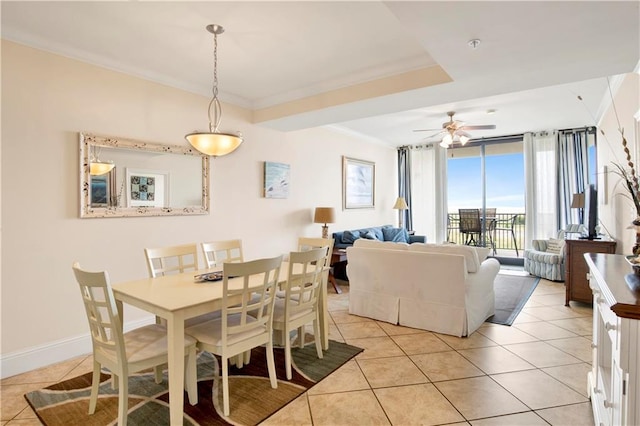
324 215
214 144
577 202
97 168
400 204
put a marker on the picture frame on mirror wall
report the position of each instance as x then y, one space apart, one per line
358 183
147 188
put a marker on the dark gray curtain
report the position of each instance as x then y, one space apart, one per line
573 171
404 183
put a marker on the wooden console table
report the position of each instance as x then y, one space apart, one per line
576 284
614 379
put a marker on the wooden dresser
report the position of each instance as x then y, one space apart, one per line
575 268
614 379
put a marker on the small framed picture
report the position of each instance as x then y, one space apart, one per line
276 180
358 183
103 189
147 188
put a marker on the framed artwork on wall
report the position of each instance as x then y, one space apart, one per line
276 180
147 188
358 183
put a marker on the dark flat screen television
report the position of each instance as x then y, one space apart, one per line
591 213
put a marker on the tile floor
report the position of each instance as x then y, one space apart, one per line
532 373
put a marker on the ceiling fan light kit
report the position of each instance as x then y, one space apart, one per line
455 131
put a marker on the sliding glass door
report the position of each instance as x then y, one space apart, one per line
486 181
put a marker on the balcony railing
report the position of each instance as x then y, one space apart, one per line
504 233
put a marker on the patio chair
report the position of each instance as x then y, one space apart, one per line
470 226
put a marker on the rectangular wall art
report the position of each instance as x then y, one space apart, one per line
358 183
147 188
276 180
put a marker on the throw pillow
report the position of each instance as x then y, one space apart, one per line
369 235
348 237
396 235
555 246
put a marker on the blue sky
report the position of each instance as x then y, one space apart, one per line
505 183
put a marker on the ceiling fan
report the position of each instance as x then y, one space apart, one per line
455 130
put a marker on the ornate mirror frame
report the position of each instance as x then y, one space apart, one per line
112 208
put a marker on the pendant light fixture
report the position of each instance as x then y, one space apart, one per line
97 167
214 142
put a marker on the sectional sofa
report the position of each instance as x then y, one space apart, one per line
344 239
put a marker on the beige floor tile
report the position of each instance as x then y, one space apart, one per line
548 313
476 340
349 377
12 401
550 299
542 354
343 317
420 343
576 414
27 413
376 347
574 376
480 397
296 413
529 418
537 389
357 330
417 405
495 359
579 347
549 287
334 333
24 422
395 371
522 318
396 330
504 335
584 309
349 408
581 326
441 366
86 366
544 331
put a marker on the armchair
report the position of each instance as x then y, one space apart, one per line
546 257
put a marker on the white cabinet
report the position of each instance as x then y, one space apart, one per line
614 380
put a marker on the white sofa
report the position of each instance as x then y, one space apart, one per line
444 288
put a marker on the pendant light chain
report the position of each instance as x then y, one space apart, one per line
215 103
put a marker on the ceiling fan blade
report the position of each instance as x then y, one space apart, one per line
463 133
426 130
479 127
432 135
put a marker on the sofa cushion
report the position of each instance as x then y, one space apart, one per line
349 237
555 246
396 235
387 245
369 235
470 254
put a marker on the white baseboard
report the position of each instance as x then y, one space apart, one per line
51 353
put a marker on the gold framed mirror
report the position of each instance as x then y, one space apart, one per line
122 177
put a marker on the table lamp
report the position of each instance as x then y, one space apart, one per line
577 202
400 205
324 215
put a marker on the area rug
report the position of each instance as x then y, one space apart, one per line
512 292
252 399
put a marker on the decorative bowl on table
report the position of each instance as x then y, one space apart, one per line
634 261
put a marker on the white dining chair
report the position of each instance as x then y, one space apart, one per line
173 259
218 252
306 243
300 304
124 353
236 332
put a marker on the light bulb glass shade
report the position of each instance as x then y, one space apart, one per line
324 215
447 139
214 144
463 139
401 204
97 168
577 202
444 145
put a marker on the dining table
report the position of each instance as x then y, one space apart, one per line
179 297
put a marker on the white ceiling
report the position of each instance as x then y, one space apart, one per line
534 59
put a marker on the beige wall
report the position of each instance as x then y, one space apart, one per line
618 212
46 101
